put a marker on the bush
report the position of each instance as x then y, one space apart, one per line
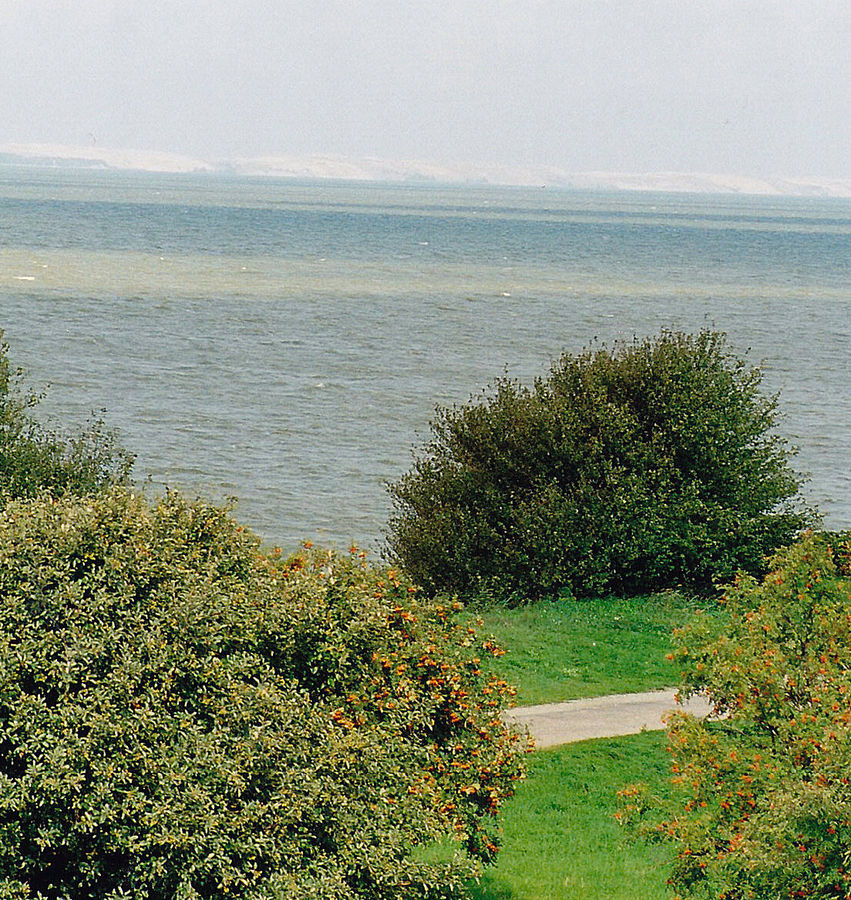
184 716
34 459
630 470
765 801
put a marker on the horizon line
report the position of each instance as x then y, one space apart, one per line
329 166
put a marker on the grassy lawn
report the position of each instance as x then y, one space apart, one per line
560 836
566 649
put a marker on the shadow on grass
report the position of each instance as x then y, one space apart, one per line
490 888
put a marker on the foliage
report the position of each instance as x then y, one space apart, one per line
765 801
647 466
185 716
838 543
35 459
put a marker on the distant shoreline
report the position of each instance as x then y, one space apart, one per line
373 169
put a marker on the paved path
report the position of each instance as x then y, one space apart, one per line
617 714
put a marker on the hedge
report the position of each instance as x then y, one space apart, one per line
183 715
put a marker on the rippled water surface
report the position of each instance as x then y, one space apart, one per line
285 343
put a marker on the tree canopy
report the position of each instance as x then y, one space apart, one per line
652 464
35 459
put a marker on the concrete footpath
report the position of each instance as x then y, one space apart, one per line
551 724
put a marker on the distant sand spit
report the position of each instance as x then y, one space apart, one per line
376 169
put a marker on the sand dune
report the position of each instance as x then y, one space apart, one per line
377 169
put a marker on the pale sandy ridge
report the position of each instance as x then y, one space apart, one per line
373 168
615 715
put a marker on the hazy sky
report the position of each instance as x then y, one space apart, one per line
735 86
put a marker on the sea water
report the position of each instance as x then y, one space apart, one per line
285 343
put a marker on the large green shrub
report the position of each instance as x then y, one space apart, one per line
35 459
650 465
764 804
184 716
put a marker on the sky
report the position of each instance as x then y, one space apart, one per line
734 86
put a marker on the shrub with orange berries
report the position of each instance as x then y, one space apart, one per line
763 806
183 714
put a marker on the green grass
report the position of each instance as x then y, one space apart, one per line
560 837
565 649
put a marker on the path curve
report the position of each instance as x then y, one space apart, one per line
551 724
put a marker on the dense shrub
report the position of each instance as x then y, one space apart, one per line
650 465
764 807
185 716
34 458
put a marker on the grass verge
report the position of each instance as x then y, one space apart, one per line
567 649
561 840
560 837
